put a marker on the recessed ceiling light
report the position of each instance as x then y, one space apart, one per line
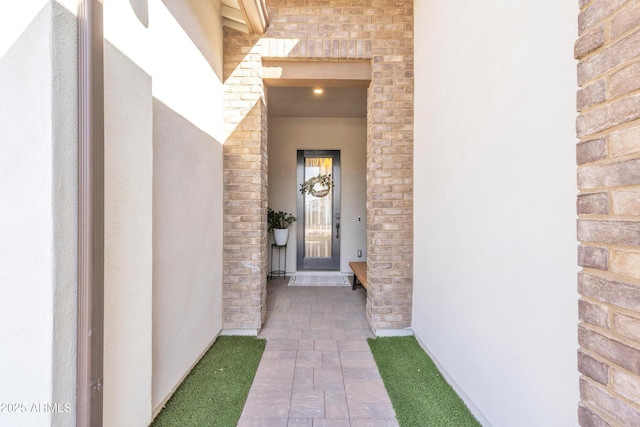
318 91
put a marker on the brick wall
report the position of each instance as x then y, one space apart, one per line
245 187
608 155
390 170
327 30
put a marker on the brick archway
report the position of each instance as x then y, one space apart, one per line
380 33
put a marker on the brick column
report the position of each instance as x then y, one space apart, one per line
608 205
390 173
339 30
245 185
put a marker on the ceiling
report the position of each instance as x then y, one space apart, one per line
302 102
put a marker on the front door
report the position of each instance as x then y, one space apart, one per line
318 213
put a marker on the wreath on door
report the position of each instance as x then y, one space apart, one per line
317 186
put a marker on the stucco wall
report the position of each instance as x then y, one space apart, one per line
128 241
286 136
495 250
166 125
187 299
38 119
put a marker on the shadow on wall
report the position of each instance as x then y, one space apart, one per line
236 38
127 240
208 42
141 10
187 246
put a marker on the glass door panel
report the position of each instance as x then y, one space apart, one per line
319 231
318 211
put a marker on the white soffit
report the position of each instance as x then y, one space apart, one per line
247 16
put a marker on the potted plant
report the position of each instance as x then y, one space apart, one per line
278 222
317 186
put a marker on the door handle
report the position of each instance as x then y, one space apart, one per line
337 230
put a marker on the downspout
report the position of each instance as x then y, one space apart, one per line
89 382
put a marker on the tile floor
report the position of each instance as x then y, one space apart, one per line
317 369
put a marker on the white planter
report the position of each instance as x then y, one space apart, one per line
281 236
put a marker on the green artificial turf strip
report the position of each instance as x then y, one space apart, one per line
214 392
418 392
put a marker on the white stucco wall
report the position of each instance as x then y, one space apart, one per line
349 135
166 195
495 298
187 270
128 241
187 189
38 169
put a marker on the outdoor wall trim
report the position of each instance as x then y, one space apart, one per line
89 386
250 18
310 73
256 14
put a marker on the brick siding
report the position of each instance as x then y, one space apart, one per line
380 31
245 190
608 157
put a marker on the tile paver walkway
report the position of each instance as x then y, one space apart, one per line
317 369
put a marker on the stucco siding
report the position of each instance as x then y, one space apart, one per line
38 146
495 298
164 201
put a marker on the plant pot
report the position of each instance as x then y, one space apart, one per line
281 235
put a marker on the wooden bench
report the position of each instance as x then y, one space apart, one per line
359 274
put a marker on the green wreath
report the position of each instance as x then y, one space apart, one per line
317 186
